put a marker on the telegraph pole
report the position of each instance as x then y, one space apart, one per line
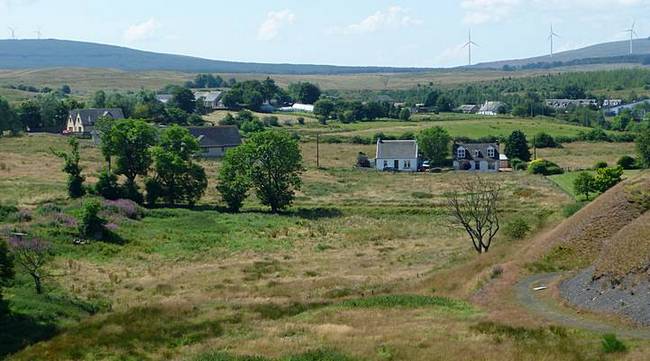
317 150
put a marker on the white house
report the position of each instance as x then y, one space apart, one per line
492 108
83 120
398 155
306 108
477 157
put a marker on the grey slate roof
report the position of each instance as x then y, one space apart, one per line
397 149
471 148
221 136
210 96
90 116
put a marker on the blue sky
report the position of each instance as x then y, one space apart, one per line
342 32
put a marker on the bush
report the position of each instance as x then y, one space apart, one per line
626 162
91 224
362 160
301 120
518 164
543 140
544 167
601 165
517 229
573 208
107 186
125 208
606 178
611 344
6 211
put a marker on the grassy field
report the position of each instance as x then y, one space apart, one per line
364 266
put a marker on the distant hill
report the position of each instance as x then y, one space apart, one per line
614 52
50 53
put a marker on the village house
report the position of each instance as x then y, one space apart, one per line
562 104
83 120
608 103
215 141
164 98
304 108
468 109
477 157
492 108
631 106
397 155
211 99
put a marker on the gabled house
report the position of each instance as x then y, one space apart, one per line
83 120
477 157
468 109
492 108
215 141
562 104
211 99
397 155
164 98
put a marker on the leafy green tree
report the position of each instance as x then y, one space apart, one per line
6 273
627 162
445 103
8 118
643 146
99 99
305 92
275 167
324 108
72 167
544 140
517 146
434 144
183 98
54 113
404 114
606 178
129 141
177 178
107 185
31 254
584 184
29 115
234 178
92 224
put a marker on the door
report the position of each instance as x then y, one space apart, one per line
396 165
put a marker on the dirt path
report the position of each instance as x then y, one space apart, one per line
531 300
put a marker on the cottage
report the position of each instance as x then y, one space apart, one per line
468 109
492 108
397 155
609 103
215 141
83 120
478 157
211 99
562 104
164 98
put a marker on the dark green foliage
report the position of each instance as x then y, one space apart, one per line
273 311
6 211
627 162
177 178
301 120
544 167
544 140
434 144
407 301
252 94
517 229
72 167
404 114
6 274
573 208
305 92
584 184
362 160
91 225
643 146
206 81
611 344
107 186
233 180
606 178
324 108
183 98
600 165
517 146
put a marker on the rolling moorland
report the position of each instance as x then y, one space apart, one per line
364 265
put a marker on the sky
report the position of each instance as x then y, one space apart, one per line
407 33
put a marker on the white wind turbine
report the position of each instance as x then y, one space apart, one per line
632 35
551 36
12 31
469 45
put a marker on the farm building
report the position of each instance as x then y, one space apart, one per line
492 108
83 120
468 109
307 108
478 157
617 110
397 155
215 141
211 99
561 104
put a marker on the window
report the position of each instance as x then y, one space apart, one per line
491 152
407 164
477 165
460 153
492 165
477 153
385 164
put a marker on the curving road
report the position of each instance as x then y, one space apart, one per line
529 298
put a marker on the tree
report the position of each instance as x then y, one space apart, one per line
305 92
324 108
29 115
31 254
275 167
54 113
183 99
433 143
72 167
404 114
517 146
91 224
475 206
584 184
234 180
177 178
544 140
6 272
606 178
643 146
8 118
99 99
129 141
627 162
107 185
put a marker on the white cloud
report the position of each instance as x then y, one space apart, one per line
487 11
394 16
142 31
275 21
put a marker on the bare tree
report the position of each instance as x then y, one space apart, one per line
475 206
31 254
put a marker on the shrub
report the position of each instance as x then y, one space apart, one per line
518 164
125 208
107 186
91 224
360 140
573 208
544 167
606 178
6 211
362 160
626 162
601 165
301 120
517 229
271 121
611 344
543 140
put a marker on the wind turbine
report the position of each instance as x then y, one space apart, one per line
39 33
551 36
469 45
12 31
632 35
